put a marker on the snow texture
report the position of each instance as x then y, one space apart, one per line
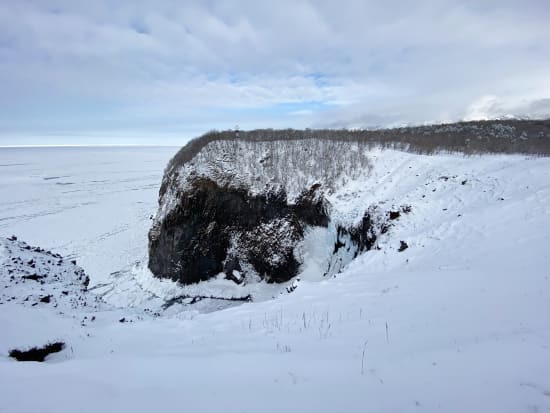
292 165
31 276
457 322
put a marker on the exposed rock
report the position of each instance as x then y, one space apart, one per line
406 209
29 277
236 276
394 214
231 266
37 353
192 299
363 236
216 229
46 299
34 277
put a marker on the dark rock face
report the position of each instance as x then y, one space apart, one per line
37 353
363 236
215 229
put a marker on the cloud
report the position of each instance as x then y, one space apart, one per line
493 107
186 67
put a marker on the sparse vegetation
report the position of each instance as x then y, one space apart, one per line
477 137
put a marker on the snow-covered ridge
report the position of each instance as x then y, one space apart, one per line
296 159
292 166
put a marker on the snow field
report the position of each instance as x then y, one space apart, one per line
457 322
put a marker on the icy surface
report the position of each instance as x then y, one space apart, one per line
88 203
460 321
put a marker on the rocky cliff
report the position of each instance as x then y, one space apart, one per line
242 208
216 229
240 203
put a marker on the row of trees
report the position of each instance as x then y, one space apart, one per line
499 136
289 163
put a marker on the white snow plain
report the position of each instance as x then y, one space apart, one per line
459 321
88 203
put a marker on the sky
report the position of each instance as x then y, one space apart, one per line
165 71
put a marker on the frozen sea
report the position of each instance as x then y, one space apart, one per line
89 203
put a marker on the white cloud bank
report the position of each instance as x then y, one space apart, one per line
178 68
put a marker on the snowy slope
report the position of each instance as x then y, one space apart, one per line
457 322
32 276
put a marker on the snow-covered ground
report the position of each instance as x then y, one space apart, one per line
459 321
88 203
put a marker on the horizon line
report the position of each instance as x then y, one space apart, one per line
89 145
